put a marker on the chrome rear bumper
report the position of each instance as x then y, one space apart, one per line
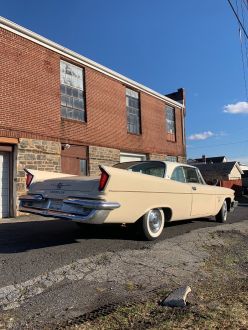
79 210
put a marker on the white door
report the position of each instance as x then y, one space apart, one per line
4 184
129 157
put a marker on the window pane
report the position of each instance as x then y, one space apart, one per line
72 95
178 175
80 94
63 112
133 111
170 119
75 92
150 168
71 75
62 88
191 175
68 90
63 100
81 115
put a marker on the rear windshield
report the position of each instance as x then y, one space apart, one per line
154 168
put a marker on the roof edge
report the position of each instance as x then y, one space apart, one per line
32 36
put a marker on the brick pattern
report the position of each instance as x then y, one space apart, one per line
30 89
37 155
102 156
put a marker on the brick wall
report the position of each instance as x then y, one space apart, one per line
30 104
37 155
102 156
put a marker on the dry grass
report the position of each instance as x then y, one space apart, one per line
219 298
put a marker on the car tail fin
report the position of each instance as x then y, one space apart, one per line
29 178
103 179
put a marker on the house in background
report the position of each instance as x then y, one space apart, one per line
209 160
244 177
217 170
62 112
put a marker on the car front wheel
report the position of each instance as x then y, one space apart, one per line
222 215
152 224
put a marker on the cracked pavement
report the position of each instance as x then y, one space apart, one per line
44 279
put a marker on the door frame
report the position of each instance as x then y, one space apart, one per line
9 149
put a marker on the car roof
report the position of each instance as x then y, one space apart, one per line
170 166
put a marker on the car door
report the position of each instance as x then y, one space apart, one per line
183 195
203 200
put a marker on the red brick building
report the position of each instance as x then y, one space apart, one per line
60 111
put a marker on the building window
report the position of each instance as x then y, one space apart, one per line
72 91
133 111
170 123
171 158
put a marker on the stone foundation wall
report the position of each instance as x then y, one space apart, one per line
37 155
182 159
102 156
156 157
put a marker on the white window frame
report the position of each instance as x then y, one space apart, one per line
72 97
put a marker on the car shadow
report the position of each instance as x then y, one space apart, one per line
23 236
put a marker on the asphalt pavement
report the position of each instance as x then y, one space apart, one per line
32 245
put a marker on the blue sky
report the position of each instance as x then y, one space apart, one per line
164 45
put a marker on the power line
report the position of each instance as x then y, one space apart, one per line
245 43
245 3
237 16
241 49
243 19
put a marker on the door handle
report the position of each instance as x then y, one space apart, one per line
194 188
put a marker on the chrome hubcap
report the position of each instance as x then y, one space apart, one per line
154 220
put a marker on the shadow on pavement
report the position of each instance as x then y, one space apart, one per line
19 237
35 233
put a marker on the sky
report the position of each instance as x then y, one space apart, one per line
165 45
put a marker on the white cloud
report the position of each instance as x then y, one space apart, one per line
236 108
201 136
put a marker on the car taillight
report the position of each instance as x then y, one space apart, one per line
29 178
103 180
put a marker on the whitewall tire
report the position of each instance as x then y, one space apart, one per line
152 224
222 215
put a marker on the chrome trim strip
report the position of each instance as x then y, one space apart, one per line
31 198
61 215
92 204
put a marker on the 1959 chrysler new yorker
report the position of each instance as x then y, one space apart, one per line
146 192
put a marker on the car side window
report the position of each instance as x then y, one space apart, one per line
178 174
191 175
149 168
200 177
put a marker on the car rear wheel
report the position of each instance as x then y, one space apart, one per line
222 215
152 224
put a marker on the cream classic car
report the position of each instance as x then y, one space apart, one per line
147 193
